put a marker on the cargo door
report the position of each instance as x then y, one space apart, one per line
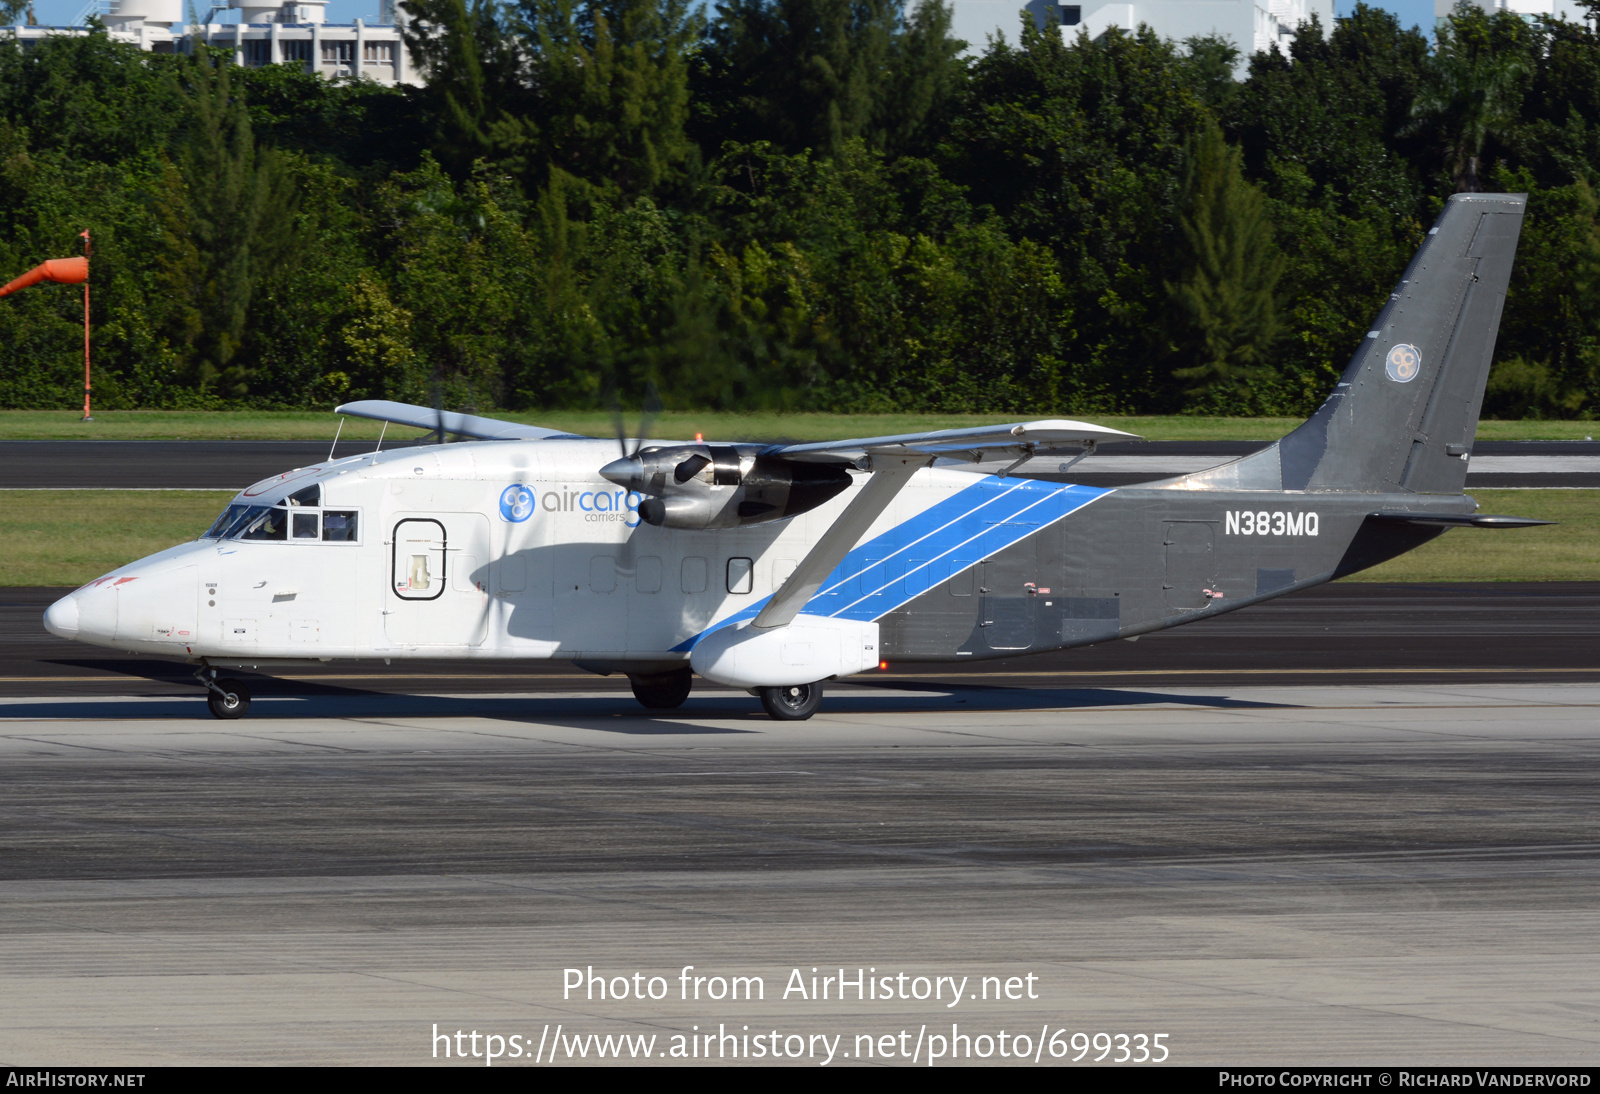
438 581
1007 619
1191 563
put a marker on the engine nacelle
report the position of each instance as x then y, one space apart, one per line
809 649
723 486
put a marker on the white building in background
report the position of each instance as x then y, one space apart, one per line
1252 25
265 34
1550 9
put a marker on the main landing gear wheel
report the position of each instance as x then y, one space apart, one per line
663 691
231 699
792 702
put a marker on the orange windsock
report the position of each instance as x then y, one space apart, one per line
68 271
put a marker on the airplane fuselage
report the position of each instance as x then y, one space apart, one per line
519 550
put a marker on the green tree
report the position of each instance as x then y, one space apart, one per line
1079 146
1474 87
224 207
474 67
1224 306
609 93
1547 358
1207 67
814 74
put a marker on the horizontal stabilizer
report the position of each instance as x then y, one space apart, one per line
463 425
974 443
1463 520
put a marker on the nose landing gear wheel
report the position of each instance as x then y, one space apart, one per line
664 691
230 700
792 702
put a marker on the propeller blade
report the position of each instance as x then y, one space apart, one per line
614 403
652 410
438 408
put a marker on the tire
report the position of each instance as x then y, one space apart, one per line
665 691
792 703
234 702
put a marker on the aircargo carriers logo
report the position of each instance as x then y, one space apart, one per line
518 502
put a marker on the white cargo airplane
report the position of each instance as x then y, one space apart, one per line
532 544
778 567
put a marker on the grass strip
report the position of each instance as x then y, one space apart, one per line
172 425
67 537
1568 551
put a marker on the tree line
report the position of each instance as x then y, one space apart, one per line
807 204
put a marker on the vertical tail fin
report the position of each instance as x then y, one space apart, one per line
1405 412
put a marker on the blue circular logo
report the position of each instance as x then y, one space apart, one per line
516 503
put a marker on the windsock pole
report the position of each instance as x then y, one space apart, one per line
88 415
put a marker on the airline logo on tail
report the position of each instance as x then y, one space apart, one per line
1404 363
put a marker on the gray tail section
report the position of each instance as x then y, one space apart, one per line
1404 414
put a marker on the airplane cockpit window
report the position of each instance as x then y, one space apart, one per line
230 517
339 525
288 520
271 525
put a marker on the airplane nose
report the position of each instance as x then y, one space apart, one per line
624 472
61 618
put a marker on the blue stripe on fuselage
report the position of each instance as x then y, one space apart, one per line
943 540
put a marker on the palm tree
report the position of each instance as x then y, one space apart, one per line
1470 94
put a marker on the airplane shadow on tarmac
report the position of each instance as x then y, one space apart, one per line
616 713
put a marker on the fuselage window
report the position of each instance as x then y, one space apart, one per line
339 526
961 582
740 571
271 525
305 525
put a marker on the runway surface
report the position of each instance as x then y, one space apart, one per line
1347 874
233 465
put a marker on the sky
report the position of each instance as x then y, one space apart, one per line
61 12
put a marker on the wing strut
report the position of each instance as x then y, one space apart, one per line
889 474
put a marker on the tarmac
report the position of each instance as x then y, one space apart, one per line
1358 874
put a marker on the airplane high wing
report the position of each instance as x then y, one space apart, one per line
446 421
1023 438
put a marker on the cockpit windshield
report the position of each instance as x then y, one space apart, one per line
272 523
233 520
